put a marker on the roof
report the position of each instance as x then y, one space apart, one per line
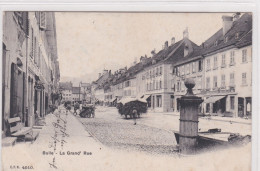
66 85
240 28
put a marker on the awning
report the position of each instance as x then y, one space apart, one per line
213 99
129 99
146 97
114 99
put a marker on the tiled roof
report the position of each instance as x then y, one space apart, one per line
241 27
66 85
178 55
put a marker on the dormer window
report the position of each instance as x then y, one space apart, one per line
226 39
216 43
237 35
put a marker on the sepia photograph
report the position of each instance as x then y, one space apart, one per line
126 91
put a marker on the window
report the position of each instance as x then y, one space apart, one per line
237 35
157 71
232 79
182 86
147 86
223 62
200 66
215 62
178 86
232 58
208 83
187 68
150 86
158 101
226 39
244 55
178 71
157 86
182 70
193 67
223 81
215 82
216 43
160 70
127 83
42 20
32 45
232 102
244 79
153 84
199 81
208 64
160 85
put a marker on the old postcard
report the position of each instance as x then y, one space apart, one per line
126 91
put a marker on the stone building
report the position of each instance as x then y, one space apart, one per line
30 65
228 67
221 68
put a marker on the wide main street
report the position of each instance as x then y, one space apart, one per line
154 132
110 142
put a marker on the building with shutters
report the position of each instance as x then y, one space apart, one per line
30 65
228 68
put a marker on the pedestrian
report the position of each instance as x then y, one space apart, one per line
134 112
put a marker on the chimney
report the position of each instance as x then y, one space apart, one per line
166 45
173 40
236 16
227 23
186 33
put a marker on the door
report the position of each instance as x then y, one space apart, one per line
153 101
240 106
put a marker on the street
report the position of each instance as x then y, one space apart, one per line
103 143
153 132
115 131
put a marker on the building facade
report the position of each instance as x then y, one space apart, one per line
221 68
30 65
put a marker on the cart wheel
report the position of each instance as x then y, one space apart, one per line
83 115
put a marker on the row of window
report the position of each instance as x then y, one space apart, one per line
155 85
223 81
108 96
223 60
188 68
153 73
127 93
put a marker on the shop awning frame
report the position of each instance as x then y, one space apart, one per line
213 99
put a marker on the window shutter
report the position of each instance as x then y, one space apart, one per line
14 86
42 20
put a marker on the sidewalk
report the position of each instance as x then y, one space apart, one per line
103 158
73 142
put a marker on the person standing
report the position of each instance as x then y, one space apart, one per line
135 113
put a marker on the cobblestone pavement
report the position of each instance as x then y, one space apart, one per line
117 132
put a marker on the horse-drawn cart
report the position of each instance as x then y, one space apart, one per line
87 111
131 107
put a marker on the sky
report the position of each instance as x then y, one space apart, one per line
90 42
